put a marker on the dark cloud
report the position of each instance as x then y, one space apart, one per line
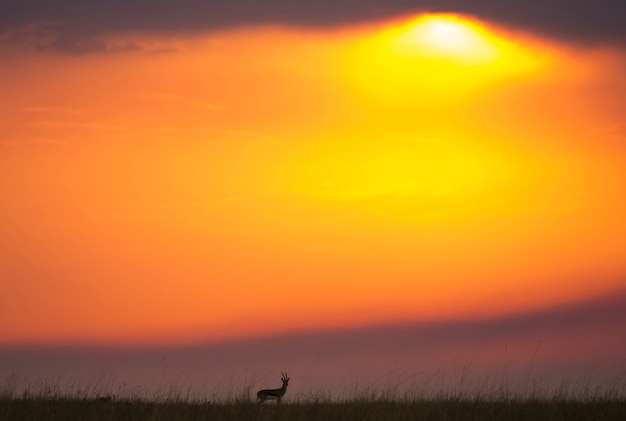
79 22
51 36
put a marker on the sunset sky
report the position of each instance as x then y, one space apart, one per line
175 173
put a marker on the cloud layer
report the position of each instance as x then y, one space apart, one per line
72 25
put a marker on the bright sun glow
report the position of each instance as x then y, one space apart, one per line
436 56
414 72
445 37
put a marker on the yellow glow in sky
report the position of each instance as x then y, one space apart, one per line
448 37
267 179
438 56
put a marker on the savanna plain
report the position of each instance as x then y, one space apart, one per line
524 401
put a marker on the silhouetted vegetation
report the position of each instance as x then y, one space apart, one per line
357 409
47 406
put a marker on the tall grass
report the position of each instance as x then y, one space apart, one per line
30 408
466 400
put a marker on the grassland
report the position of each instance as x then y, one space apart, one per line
96 409
523 401
105 409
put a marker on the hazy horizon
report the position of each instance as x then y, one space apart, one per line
532 353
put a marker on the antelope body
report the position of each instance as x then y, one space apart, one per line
274 394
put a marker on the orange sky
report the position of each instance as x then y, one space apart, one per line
272 179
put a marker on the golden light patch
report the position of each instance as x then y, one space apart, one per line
461 41
415 180
436 56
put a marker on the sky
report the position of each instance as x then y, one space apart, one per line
182 174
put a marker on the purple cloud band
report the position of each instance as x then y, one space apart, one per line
72 25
